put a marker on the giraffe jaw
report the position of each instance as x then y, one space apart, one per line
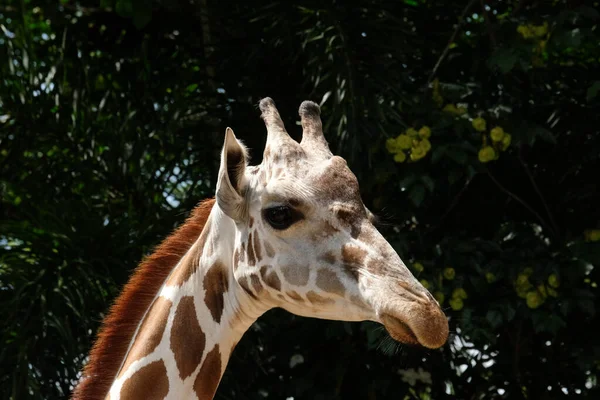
399 330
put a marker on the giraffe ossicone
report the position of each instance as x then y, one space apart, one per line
291 232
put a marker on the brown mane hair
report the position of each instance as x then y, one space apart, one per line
127 311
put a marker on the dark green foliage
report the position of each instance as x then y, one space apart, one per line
112 114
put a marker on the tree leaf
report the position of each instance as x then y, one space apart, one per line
124 8
504 59
428 182
438 152
494 317
588 12
142 14
457 154
593 90
544 134
417 194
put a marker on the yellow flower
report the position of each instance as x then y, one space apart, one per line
425 283
592 235
534 299
553 281
542 290
403 142
497 134
486 154
523 280
391 145
459 293
400 157
522 285
452 109
425 145
456 304
479 124
522 291
439 296
506 141
540 30
525 31
417 153
418 267
449 273
412 132
489 277
425 132
551 292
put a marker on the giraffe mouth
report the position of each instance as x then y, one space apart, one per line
399 330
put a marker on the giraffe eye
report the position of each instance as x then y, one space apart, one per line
281 217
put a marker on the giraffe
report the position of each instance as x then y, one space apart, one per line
292 233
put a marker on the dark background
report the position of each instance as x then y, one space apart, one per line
112 115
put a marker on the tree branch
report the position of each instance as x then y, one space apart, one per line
539 193
521 201
452 205
461 20
488 24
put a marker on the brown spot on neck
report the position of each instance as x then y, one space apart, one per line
295 274
269 276
236 259
294 295
317 299
328 281
269 250
187 338
208 378
256 283
149 382
257 249
150 333
243 282
216 284
251 256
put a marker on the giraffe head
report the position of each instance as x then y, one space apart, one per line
305 241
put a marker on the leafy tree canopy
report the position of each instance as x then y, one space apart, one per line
471 125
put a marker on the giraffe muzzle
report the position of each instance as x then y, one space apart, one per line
425 325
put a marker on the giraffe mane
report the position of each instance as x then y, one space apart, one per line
127 311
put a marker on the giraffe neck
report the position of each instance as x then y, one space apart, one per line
184 341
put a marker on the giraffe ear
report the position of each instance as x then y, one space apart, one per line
231 177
